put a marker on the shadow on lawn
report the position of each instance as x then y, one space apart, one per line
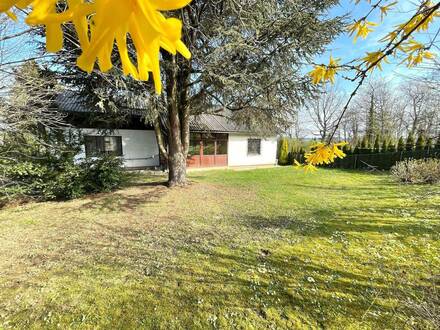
246 280
125 200
180 266
325 223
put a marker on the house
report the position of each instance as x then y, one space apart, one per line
215 140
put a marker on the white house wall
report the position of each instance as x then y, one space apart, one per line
238 151
139 147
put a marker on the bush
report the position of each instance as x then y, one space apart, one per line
102 174
417 171
424 309
60 179
284 152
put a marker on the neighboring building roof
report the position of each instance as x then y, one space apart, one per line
218 122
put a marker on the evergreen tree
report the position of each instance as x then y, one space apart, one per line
246 56
371 121
420 144
401 144
292 154
391 147
410 142
429 144
384 146
365 145
377 144
437 145
284 152
347 149
357 148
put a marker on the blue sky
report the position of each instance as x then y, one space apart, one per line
344 48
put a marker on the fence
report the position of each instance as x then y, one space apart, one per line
380 161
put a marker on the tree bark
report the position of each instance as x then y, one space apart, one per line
176 150
178 105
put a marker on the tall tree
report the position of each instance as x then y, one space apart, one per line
324 110
248 57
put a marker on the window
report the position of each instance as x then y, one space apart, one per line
213 144
103 145
222 147
194 148
254 147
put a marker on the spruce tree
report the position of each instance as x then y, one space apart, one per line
347 149
284 152
245 55
357 148
429 144
365 148
420 144
391 147
401 144
384 146
410 142
377 144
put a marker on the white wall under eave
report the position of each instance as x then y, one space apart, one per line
238 151
139 147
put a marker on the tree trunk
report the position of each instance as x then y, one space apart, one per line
178 74
176 149
177 170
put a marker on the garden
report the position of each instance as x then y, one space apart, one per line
268 248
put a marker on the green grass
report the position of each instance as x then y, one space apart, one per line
262 249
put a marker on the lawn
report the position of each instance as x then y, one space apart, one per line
263 249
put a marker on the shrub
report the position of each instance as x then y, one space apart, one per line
102 174
284 152
424 309
410 142
60 179
417 171
66 183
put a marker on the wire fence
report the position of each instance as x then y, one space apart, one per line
384 160
379 161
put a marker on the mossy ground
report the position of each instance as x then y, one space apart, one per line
272 248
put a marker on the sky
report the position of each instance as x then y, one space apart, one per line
344 48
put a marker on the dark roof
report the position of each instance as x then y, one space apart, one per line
218 122
73 102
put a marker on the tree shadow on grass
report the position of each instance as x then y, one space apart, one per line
126 200
175 266
324 223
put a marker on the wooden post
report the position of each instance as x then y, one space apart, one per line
201 153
